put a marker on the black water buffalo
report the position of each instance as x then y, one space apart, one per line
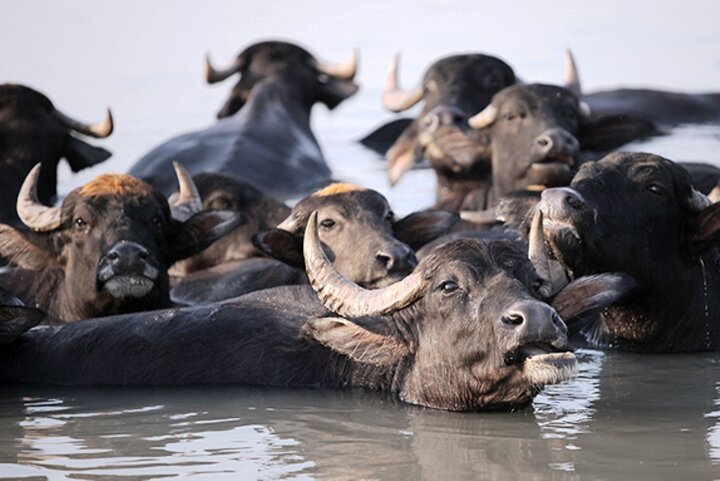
263 135
639 214
107 249
452 89
33 131
360 232
224 192
466 331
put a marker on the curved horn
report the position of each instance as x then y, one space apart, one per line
99 130
188 201
395 99
483 119
538 255
697 201
212 75
572 78
487 216
344 71
32 213
585 110
345 297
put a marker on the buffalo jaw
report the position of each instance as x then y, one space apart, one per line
541 368
122 287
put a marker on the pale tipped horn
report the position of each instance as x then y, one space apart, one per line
345 297
572 77
345 71
32 213
697 201
395 99
188 202
99 131
538 255
213 75
483 119
487 216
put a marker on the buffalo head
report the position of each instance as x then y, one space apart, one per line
33 131
467 330
107 248
360 233
317 81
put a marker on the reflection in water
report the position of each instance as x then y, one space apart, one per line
713 434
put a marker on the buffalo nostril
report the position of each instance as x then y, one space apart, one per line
143 254
559 323
384 259
513 319
113 256
574 201
543 141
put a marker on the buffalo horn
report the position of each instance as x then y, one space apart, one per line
572 78
344 71
697 201
345 297
188 202
212 75
538 255
99 130
395 99
32 213
483 119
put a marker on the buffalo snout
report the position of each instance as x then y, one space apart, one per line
556 144
533 328
398 258
561 203
127 270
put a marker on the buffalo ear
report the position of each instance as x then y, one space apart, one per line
382 138
357 343
704 228
419 228
202 229
27 250
609 132
81 155
282 245
591 293
403 154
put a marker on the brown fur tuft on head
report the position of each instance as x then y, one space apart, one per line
337 188
116 184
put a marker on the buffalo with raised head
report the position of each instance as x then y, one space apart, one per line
639 214
452 90
466 331
263 135
358 228
107 248
33 131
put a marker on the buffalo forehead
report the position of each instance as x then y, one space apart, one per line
337 188
116 185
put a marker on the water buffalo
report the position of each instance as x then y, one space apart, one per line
224 192
32 130
466 331
358 229
107 249
452 89
263 135
639 214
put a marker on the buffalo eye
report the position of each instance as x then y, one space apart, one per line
157 220
448 287
537 285
323 78
656 189
327 223
571 114
390 216
80 223
510 116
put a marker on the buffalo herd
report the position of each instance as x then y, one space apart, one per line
193 268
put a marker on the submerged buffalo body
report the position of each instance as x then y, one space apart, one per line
639 214
263 135
107 249
33 131
466 331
